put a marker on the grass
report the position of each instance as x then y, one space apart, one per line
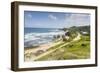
75 50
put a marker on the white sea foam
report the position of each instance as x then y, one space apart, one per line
40 38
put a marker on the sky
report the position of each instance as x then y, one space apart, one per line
36 19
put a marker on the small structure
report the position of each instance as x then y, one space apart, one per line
84 33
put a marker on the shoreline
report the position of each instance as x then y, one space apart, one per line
43 47
30 54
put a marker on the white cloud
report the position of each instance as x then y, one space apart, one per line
52 17
79 16
78 19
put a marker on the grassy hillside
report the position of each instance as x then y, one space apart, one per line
75 50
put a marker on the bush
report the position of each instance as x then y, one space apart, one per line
83 44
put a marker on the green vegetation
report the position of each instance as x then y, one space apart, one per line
70 49
80 28
75 50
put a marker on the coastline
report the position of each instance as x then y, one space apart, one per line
31 53
43 47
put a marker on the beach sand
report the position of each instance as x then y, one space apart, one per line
31 53
43 47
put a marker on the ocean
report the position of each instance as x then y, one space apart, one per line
38 36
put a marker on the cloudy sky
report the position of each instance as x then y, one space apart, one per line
36 19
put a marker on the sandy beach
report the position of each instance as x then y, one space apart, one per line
43 47
31 53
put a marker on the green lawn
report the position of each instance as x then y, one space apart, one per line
75 50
